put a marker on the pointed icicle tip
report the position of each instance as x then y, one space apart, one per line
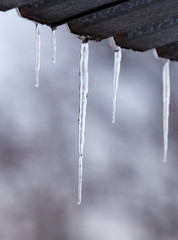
83 75
38 49
80 180
166 103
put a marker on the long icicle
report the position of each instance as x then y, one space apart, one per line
166 103
38 49
117 64
54 45
83 73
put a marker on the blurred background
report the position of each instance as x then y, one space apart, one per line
128 192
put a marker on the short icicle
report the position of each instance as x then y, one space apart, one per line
54 45
83 73
38 48
166 103
117 64
155 54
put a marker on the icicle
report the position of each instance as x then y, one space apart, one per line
83 73
155 54
54 45
117 63
38 47
166 102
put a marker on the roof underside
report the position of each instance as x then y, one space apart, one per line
135 24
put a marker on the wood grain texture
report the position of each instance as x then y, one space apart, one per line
150 36
9 4
123 18
135 24
56 12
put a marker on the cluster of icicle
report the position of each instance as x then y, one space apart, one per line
83 76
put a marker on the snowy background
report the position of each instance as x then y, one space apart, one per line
128 192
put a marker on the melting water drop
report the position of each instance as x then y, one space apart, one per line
117 64
38 47
166 102
83 73
54 46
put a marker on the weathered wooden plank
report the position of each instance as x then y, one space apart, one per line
135 24
169 51
150 36
123 18
9 4
56 12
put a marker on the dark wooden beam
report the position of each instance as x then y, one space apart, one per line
169 51
56 12
150 36
123 18
135 24
9 4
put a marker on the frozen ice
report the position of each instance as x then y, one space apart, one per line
166 103
83 73
117 64
38 48
54 46
155 54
